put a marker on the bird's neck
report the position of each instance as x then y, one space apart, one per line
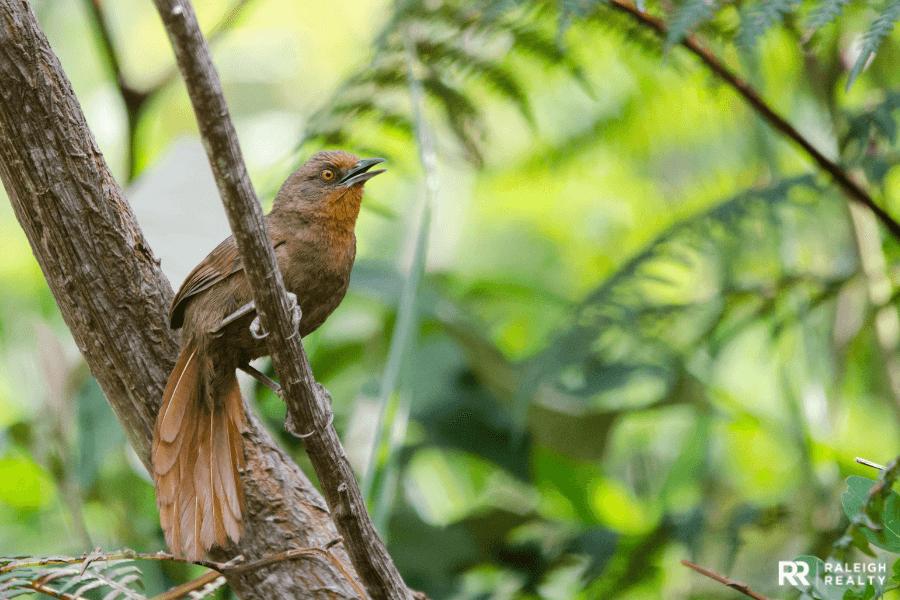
339 213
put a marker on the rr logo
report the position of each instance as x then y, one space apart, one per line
794 572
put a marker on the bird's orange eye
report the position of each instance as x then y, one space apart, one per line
327 175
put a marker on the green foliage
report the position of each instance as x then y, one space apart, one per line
451 67
883 529
824 13
603 366
632 329
761 16
116 578
872 39
688 16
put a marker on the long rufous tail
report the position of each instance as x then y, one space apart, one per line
197 454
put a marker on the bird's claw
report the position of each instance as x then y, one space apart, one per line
296 313
256 329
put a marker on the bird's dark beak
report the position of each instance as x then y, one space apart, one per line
360 172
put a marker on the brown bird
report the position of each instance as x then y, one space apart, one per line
197 445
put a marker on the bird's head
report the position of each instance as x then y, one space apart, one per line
330 183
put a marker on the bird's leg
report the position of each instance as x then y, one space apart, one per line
289 423
259 333
266 381
244 310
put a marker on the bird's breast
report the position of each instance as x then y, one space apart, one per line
318 272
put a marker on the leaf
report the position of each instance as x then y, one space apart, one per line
825 12
828 580
494 74
112 576
600 545
760 17
878 30
856 497
624 345
688 16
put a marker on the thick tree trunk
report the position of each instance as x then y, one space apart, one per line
114 299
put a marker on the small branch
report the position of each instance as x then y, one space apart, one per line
97 556
840 176
741 587
49 591
306 402
869 463
210 577
321 553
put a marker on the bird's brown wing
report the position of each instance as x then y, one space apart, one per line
222 262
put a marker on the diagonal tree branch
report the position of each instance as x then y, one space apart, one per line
307 402
840 176
740 587
114 299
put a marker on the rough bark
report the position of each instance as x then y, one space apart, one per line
309 410
114 299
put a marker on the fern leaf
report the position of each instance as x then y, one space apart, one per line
760 18
498 78
115 575
825 12
529 40
579 8
640 321
688 16
872 39
462 114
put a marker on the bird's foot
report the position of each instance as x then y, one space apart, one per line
296 313
256 329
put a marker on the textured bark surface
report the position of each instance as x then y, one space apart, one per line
115 300
308 405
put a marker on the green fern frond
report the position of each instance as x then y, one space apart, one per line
878 30
824 13
697 286
114 575
688 16
462 49
463 116
385 115
72 581
876 122
452 53
531 41
760 17
578 8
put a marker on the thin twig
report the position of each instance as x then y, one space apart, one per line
740 587
869 463
843 179
97 556
49 591
186 588
306 401
323 553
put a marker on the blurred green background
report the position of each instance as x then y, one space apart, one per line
646 328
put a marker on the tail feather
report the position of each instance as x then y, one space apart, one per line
197 457
170 417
